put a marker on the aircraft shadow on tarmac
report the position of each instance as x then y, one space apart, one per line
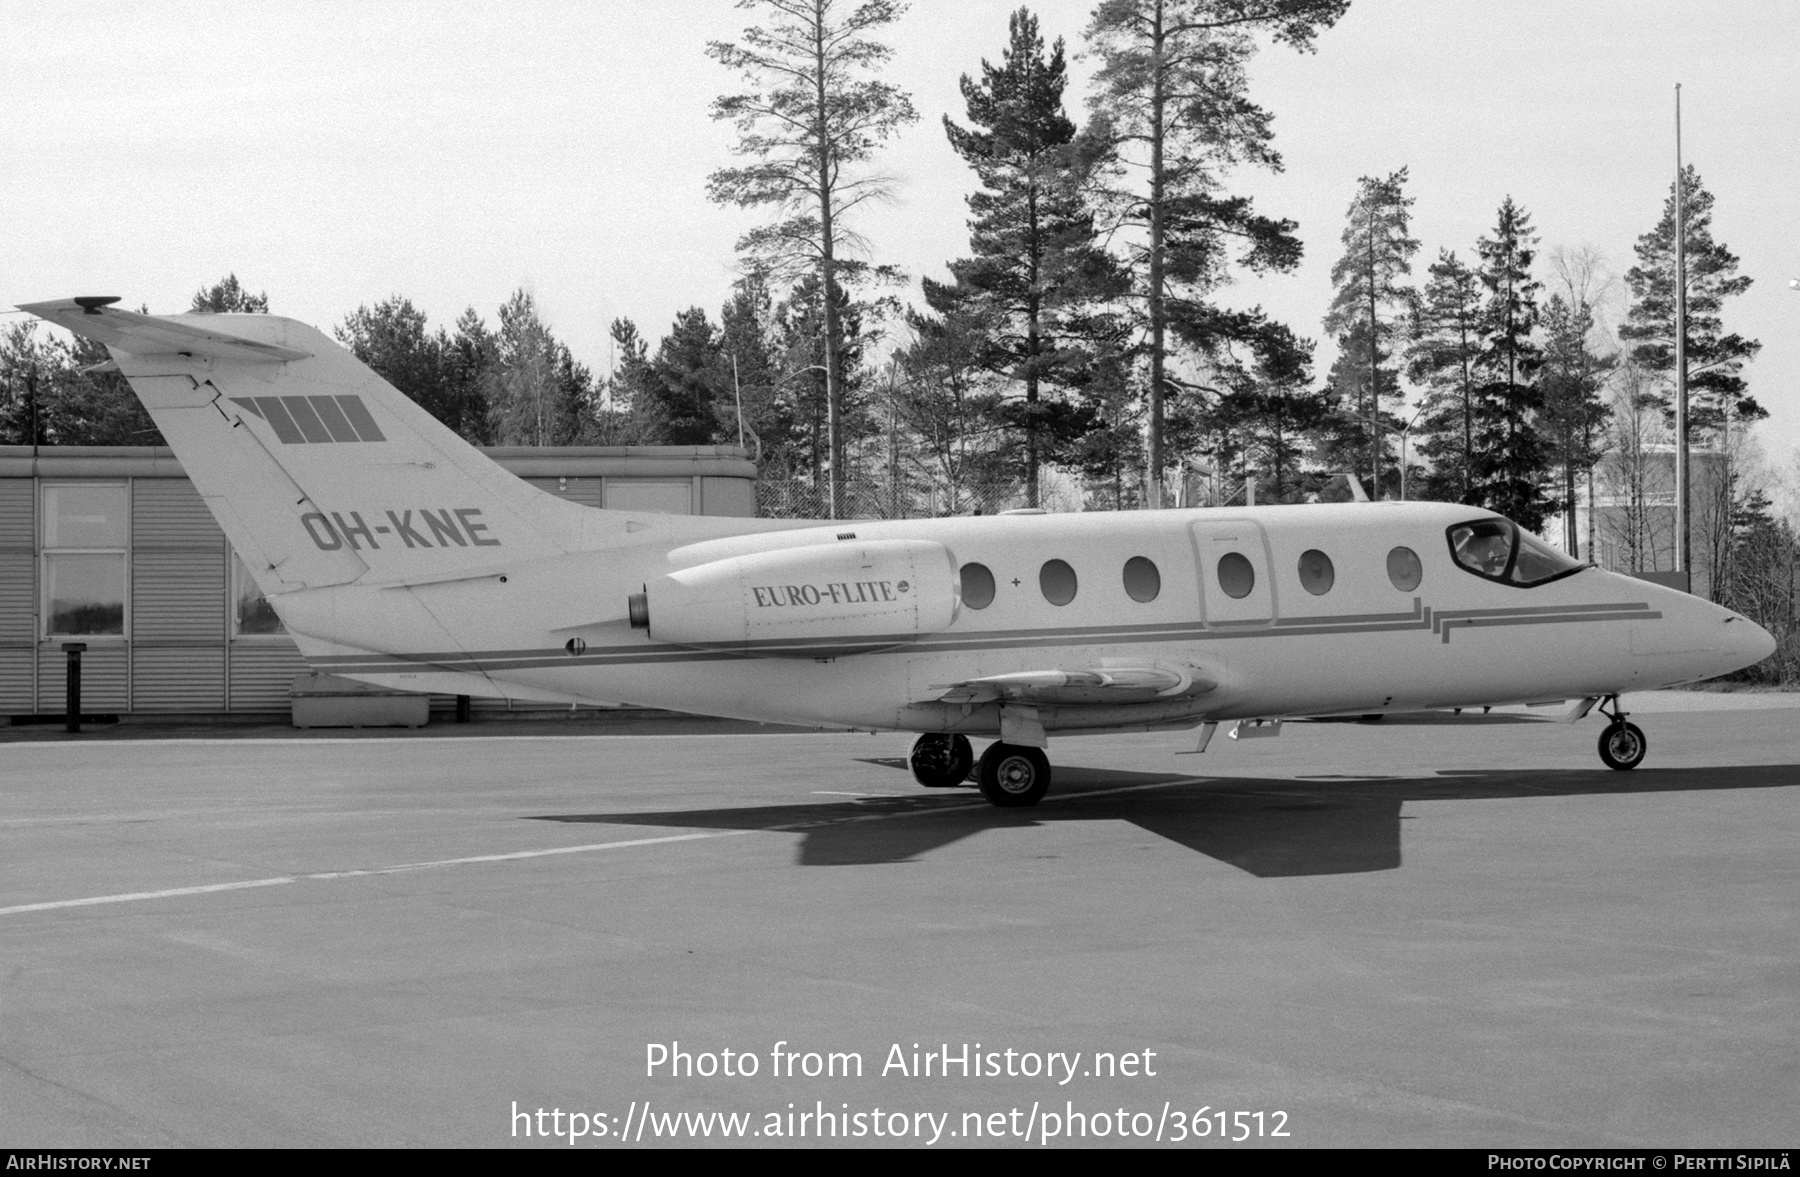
1271 828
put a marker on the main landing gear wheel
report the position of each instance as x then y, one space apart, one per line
1622 745
940 761
1013 776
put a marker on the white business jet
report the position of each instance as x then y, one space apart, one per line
397 554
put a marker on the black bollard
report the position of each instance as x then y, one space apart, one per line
72 699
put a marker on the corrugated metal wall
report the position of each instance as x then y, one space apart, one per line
262 672
178 629
18 595
104 683
585 491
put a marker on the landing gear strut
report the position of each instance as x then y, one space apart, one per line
1013 775
1622 745
941 761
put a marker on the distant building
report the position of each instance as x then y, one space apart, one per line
112 546
1629 526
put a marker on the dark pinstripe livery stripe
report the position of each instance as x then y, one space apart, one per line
1421 618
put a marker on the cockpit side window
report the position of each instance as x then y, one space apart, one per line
1498 549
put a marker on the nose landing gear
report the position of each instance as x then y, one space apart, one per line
1622 744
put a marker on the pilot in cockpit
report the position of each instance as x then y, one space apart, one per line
1483 548
1488 553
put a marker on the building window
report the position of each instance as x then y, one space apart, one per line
86 526
251 613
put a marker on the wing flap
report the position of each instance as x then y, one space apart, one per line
1102 684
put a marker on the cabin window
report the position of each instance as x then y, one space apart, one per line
1142 580
1404 569
1499 549
1057 580
977 586
1236 575
1316 573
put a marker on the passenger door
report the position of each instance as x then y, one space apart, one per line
1236 588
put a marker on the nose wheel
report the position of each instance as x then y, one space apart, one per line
1622 744
940 761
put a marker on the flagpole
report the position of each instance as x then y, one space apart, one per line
1683 547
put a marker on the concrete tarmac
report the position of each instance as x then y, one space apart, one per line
1387 934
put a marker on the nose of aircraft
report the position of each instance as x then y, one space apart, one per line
1749 642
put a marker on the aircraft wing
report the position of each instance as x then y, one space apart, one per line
128 331
1104 684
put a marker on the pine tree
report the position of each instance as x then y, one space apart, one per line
1271 414
51 393
540 393
1370 311
1574 416
391 338
1715 359
806 363
228 297
687 388
630 413
1036 262
748 344
469 364
1443 355
1112 455
1510 463
811 115
1172 111
945 399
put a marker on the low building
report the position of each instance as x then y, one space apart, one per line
113 547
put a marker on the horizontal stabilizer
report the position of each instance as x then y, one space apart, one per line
147 335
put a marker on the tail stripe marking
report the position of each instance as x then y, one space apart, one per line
310 426
286 431
298 420
335 422
360 418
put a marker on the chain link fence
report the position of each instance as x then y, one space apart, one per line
798 499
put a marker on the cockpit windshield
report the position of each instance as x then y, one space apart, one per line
1499 549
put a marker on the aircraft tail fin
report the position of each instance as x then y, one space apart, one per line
320 472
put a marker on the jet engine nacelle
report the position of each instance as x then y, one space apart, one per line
819 601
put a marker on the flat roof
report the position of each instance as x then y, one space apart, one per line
638 461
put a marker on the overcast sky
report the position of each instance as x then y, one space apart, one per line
333 154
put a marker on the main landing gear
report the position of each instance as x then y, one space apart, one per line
1010 775
941 762
1622 745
